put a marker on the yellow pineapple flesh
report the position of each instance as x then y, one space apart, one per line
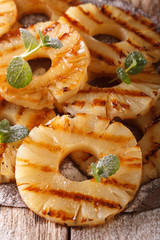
8 15
52 9
67 74
52 196
17 115
124 101
134 33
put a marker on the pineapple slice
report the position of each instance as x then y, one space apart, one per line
53 9
150 146
135 33
8 15
49 194
67 74
17 115
124 101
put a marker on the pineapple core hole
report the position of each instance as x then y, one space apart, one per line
33 19
76 166
40 65
105 38
104 82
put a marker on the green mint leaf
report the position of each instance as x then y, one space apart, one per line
123 75
16 133
46 38
52 42
19 73
94 172
5 125
41 36
4 130
108 165
140 62
30 42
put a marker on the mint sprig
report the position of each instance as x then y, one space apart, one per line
134 63
106 166
10 134
19 73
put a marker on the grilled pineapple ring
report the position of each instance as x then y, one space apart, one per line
124 101
17 115
135 33
53 9
51 195
8 15
67 74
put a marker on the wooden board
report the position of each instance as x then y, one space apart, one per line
22 224
135 226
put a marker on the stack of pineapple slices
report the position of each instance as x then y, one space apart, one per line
51 195
41 185
134 34
17 115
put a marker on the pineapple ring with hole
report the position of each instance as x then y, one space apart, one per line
8 15
52 9
23 116
67 74
52 196
135 33
124 101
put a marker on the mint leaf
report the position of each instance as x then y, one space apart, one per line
5 125
108 165
4 130
11 134
123 75
41 36
30 42
17 133
94 172
52 42
140 62
19 73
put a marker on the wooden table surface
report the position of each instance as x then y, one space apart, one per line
22 224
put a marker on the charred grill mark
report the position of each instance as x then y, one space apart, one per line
136 46
76 197
36 166
135 165
121 139
50 28
48 146
98 102
114 91
66 35
79 104
58 214
75 23
92 17
153 152
115 103
112 181
130 28
108 60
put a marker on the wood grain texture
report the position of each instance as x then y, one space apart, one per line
22 224
135 226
